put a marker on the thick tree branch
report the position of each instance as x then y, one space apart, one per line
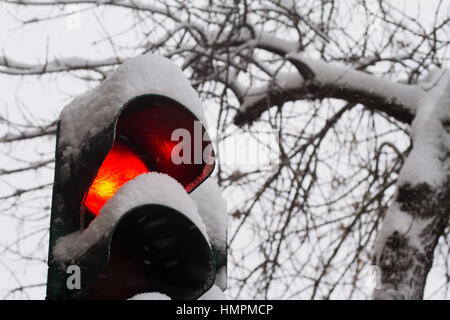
419 214
321 80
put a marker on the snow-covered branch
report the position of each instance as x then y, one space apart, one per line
141 5
318 80
13 67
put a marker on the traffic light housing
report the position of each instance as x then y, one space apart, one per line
113 142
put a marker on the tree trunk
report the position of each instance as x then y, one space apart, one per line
419 214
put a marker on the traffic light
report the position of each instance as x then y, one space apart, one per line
133 208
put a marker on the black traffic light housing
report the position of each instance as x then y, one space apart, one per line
184 270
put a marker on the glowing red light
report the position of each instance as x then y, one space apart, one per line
121 165
148 123
163 147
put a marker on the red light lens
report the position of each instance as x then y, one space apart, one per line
121 165
147 124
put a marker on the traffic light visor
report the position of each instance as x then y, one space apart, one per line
153 134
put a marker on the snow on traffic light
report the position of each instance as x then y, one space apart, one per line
134 208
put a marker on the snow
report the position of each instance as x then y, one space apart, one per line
212 208
328 73
331 74
270 41
92 112
150 296
404 224
423 164
213 294
147 188
57 65
288 81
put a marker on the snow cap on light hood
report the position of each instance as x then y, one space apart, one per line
93 111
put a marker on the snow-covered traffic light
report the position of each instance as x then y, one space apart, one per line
134 209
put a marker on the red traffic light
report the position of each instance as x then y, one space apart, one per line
144 143
121 165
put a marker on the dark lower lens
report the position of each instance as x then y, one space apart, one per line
156 249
